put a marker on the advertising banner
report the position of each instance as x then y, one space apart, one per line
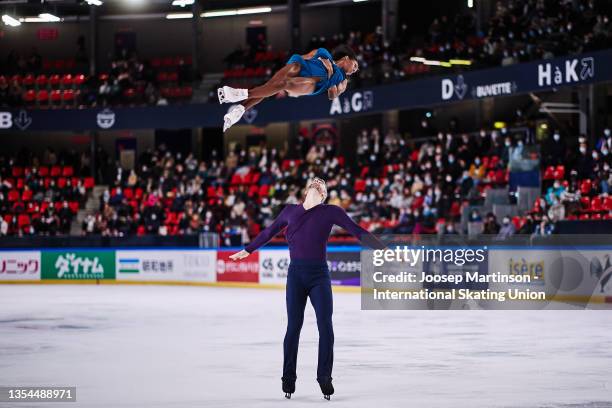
166 265
471 84
77 264
148 265
245 270
198 265
345 267
19 265
273 266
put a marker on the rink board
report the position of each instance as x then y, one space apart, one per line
268 268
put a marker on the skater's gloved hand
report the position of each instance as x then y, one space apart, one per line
328 66
239 255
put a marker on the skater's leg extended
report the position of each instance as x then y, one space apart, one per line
296 296
322 301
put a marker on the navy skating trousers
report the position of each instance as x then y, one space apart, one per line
308 279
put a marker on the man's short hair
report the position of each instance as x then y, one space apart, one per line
344 51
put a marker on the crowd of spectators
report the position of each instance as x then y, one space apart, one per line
518 31
128 80
40 195
396 186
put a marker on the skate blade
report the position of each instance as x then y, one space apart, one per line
327 397
288 395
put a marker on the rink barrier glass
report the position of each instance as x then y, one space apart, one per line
441 272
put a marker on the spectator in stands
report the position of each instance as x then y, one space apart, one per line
491 227
507 229
544 227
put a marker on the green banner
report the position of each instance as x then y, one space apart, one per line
70 265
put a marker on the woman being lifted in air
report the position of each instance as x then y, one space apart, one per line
309 74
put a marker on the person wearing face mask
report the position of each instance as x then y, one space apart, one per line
507 229
555 150
584 162
308 226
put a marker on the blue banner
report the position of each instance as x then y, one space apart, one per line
503 81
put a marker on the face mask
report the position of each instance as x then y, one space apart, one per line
607 132
451 159
507 143
556 137
605 152
520 143
583 150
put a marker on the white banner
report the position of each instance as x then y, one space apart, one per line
19 265
199 265
166 265
273 266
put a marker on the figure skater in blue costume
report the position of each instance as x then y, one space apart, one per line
308 226
309 74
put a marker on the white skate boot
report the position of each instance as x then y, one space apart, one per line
228 94
232 116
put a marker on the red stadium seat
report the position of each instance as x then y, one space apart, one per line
88 183
607 204
54 81
42 98
559 172
596 204
28 81
74 206
67 171
56 97
41 81
549 173
79 80
29 97
67 81
26 195
68 96
56 171
585 187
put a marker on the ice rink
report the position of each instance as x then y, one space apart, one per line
180 346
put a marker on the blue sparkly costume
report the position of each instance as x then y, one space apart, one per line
313 68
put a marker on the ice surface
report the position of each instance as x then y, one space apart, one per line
168 346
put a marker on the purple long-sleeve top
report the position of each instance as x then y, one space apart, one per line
308 230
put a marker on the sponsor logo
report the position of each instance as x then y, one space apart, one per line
567 72
274 266
357 102
522 267
129 265
250 115
106 119
20 265
500 88
78 265
6 120
458 88
23 120
246 270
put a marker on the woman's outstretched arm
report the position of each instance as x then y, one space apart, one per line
341 218
264 236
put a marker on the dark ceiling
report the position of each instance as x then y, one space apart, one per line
22 8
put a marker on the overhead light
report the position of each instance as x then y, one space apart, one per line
220 13
49 18
237 12
10 21
94 2
359 1
183 3
42 18
254 10
460 62
176 16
